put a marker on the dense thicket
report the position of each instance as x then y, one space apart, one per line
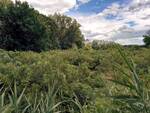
79 75
23 28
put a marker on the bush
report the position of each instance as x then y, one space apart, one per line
69 69
76 78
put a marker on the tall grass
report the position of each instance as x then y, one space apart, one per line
19 103
14 102
52 99
137 99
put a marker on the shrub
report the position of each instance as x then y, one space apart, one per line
77 78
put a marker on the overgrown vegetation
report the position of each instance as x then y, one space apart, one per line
100 77
75 81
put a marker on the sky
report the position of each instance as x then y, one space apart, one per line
122 21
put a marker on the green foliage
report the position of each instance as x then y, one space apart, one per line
73 81
20 28
137 100
23 28
70 69
45 104
5 3
147 39
68 31
66 81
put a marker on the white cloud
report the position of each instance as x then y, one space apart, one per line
52 6
132 41
128 26
81 2
129 21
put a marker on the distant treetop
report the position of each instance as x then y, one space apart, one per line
147 38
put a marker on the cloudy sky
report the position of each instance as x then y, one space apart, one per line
123 21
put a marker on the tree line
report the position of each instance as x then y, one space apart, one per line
23 28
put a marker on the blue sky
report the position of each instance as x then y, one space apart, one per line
96 6
122 21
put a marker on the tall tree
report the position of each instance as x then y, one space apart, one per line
68 32
51 29
20 28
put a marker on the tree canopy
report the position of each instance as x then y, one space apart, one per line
68 31
24 28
